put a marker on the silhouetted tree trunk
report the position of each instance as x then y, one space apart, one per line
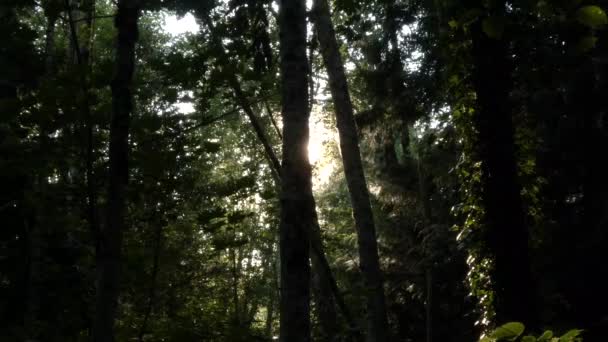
377 323
272 120
507 235
322 292
83 59
158 239
52 15
428 272
108 269
270 314
297 204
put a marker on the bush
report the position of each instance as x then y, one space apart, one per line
513 331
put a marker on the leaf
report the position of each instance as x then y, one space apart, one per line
570 335
528 339
494 27
509 331
591 16
453 24
545 336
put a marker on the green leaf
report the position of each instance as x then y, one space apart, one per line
494 27
546 336
570 335
591 16
509 331
453 24
528 339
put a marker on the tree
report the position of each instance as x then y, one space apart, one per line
297 203
507 234
377 325
108 268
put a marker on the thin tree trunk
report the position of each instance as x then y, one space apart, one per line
49 42
244 103
236 318
429 305
507 234
426 208
153 280
274 122
108 269
377 323
255 123
269 316
322 292
32 288
33 231
83 63
297 203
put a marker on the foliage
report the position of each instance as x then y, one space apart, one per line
513 331
200 252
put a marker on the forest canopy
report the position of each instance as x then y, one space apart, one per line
346 170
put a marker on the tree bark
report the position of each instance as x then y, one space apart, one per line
507 234
158 239
49 41
297 203
108 269
322 290
377 322
428 273
271 117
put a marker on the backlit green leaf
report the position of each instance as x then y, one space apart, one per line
509 331
591 16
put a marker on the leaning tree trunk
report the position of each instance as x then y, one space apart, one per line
297 204
108 267
377 323
507 235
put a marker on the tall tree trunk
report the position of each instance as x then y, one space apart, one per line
270 315
49 41
507 234
158 239
428 305
320 266
327 317
297 203
322 292
108 269
423 197
377 323
83 63
236 314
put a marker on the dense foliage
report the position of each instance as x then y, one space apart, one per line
458 153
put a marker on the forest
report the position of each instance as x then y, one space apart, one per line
295 171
